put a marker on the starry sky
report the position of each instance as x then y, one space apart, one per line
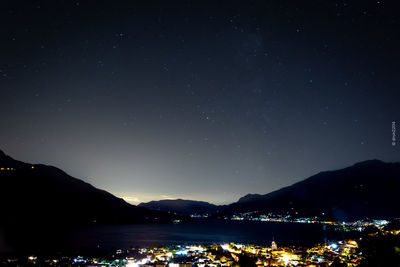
206 100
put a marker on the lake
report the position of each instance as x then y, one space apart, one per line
200 231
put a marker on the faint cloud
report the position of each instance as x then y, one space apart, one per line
133 200
167 197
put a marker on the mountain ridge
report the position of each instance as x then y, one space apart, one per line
361 163
46 194
365 186
182 206
364 189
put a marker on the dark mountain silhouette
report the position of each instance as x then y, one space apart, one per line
366 189
181 206
37 194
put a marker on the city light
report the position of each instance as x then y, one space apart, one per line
227 254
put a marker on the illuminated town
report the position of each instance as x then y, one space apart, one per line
358 225
345 253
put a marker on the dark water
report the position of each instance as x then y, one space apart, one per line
199 231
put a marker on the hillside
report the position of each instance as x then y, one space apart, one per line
31 194
366 189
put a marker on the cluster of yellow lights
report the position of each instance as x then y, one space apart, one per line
11 169
6 169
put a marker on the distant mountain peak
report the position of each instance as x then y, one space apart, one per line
369 162
182 206
248 197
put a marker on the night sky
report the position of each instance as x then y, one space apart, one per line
206 100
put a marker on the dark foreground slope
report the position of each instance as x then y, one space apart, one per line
40 194
366 189
182 206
